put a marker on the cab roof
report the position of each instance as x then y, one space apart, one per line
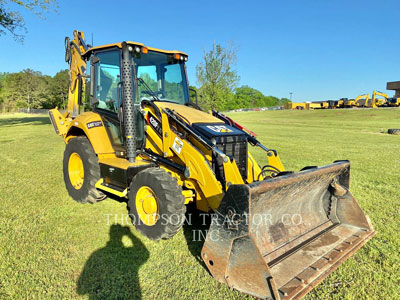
119 45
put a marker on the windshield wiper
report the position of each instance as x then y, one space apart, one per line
149 90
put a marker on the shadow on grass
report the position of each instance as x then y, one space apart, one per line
28 120
195 231
112 272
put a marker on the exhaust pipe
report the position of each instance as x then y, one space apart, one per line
129 114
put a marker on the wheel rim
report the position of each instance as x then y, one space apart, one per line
147 206
76 171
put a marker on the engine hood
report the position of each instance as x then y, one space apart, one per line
190 114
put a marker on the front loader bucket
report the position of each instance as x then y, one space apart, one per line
278 238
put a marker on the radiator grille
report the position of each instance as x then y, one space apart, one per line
235 147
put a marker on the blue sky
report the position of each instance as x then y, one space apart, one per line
315 49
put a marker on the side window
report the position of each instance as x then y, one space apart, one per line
107 77
149 76
173 83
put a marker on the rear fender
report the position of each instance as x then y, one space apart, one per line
93 128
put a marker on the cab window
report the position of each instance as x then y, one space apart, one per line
107 79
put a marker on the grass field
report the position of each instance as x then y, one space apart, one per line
53 248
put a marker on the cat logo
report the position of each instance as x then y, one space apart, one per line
219 128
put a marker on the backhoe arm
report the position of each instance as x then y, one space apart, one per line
77 70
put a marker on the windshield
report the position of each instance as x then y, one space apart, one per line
164 75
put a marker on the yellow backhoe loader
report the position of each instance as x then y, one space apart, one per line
131 131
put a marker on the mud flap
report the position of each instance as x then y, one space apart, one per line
278 238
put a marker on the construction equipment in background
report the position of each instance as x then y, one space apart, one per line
314 105
296 105
361 101
348 103
131 132
394 86
318 105
393 102
340 102
332 104
378 102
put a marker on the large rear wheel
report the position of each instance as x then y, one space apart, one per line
81 171
156 204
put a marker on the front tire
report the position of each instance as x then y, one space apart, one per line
81 171
156 204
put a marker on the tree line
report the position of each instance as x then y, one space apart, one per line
32 89
218 83
239 98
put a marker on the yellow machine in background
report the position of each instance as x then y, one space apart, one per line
348 103
361 101
296 105
377 102
395 100
132 133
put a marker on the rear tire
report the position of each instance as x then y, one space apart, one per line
169 208
82 188
394 131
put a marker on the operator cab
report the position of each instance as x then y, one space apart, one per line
157 75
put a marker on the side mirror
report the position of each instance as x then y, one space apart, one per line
195 94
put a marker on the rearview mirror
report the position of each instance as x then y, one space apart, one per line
195 94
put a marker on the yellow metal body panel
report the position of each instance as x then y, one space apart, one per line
253 169
314 105
97 136
232 174
190 114
60 123
120 162
302 105
119 45
275 161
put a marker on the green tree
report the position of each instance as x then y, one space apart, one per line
284 101
25 89
58 90
246 97
11 20
216 77
2 82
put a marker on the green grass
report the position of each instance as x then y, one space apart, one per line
53 248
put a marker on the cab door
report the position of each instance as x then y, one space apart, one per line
107 94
